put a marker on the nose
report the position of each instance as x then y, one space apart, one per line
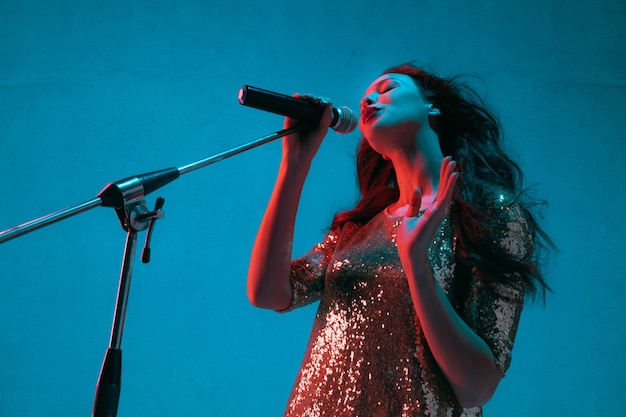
366 101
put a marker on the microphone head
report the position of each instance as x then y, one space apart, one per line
344 120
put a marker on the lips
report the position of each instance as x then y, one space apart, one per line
368 113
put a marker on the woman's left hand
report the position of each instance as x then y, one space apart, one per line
415 232
463 356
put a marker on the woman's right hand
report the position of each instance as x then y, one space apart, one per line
269 283
301 147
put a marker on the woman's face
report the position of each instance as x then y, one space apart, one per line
392 108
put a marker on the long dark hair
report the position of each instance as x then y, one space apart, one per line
472 135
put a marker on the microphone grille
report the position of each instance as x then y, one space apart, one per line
346 120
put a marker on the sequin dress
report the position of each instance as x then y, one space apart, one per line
367 355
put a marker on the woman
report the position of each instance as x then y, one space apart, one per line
422 283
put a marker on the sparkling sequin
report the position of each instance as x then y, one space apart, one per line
367 355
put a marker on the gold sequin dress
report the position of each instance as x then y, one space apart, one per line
367 355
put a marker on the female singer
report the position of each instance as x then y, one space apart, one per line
422 283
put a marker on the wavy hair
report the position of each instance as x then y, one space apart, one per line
472 135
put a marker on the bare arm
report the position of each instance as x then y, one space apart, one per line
269 270
464 357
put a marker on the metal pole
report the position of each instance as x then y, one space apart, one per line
237 150
22 229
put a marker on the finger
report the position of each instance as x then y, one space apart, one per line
442 174
445 182
448 167
448 192
327 113
444 166
415 203
312 98
445 192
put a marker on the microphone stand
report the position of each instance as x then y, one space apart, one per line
126 197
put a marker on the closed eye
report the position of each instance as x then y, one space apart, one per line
387 87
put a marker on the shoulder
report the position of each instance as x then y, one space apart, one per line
503 205
509 223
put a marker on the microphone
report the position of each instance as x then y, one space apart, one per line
344 118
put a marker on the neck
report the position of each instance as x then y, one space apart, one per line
419 169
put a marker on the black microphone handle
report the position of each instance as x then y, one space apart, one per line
282 104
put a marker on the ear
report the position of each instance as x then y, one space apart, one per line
433 118
433 111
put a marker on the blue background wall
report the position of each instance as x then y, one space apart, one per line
92 91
